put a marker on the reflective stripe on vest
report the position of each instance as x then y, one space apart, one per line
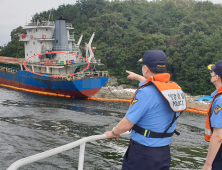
208 131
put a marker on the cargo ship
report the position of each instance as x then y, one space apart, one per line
53 62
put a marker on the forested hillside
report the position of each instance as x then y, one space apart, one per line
189 32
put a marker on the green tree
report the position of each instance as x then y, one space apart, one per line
189 32
15 48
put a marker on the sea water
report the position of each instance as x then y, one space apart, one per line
32 123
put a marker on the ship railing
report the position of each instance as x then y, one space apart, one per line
98 60
81 142
102 73
31 62
11 70
71 37
43 23
92 74
8 69
72 77
68 25
62 48
83 75
50 63
80 76
2 68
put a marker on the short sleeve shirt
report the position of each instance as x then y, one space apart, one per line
216 109
151 111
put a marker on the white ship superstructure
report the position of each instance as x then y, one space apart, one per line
47 39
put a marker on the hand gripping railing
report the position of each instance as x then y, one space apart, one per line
60 149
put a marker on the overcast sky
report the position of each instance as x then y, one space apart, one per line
13 13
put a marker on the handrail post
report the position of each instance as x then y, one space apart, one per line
81 156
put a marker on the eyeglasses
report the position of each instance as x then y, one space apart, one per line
214 76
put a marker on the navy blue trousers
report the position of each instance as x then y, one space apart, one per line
139 157
217 163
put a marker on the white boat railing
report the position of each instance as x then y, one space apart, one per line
80 142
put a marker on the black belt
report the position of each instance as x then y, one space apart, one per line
150 134
137 143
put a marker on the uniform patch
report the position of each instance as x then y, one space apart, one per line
134 101
217 108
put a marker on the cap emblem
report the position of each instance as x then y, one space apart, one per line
141 60
210 67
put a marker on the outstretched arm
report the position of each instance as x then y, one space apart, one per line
134 76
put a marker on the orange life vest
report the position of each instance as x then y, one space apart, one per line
171 91
208 129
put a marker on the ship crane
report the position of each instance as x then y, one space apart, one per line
89 53
78 44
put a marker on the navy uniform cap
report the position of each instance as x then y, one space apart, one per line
154 58
217 68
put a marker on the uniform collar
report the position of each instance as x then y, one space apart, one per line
216 91
165 77
213 94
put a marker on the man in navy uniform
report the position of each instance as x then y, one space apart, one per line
152 115
213 128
